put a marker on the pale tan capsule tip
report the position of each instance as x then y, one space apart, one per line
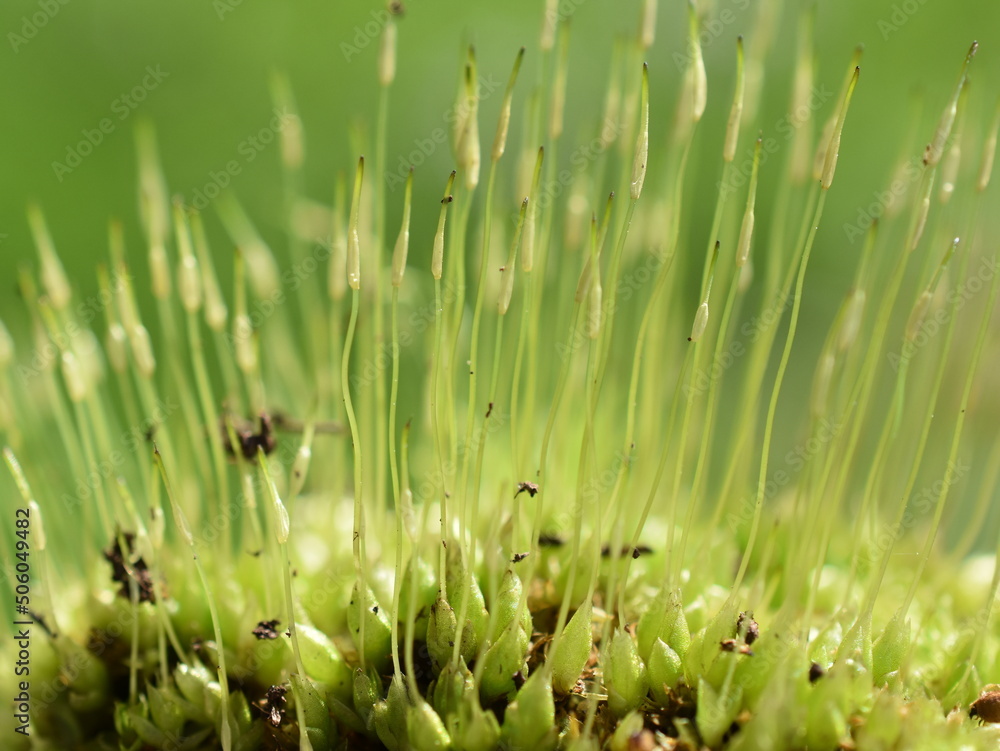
648 23
39 529
507 272
6 346
989 153
699 80
403 241
353 243
387 55
736 112
700 322
833 150
642 142
500 140
437 253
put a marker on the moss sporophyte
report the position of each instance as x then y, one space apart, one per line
549 468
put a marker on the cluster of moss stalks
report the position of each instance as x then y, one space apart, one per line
537 497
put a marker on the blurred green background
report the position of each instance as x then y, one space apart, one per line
64 76
66 66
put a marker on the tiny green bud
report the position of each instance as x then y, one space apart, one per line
664 620
474 728
367 691
529 721
425 729
477 618
665 669
165 708
442 630
629 731
311 707
453 682
504 607
390 716
857 643
377 646
502 660
624 674
716 711
571 652
322 660
425 592
196 685
891 647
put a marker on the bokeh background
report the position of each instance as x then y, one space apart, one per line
65 76
66 65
